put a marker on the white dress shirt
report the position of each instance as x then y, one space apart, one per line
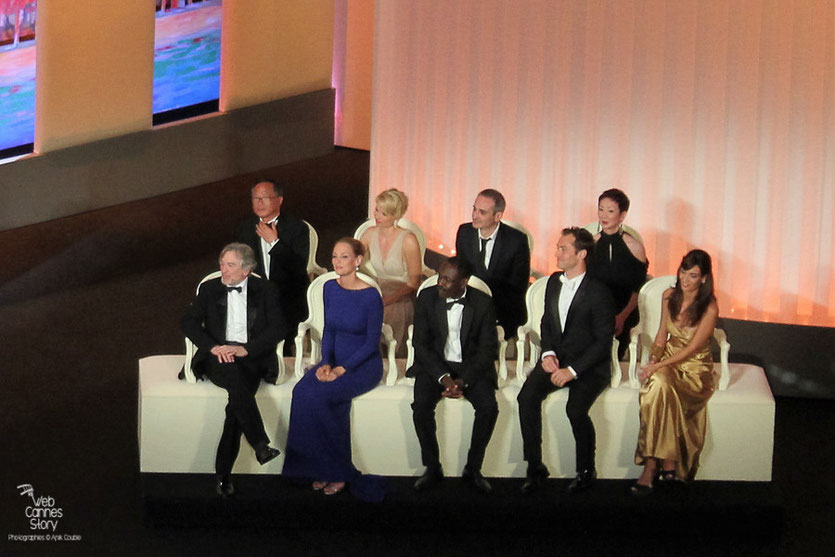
567 292
266 247
489 247
454 318
236 314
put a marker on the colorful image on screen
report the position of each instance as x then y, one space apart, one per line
186 54
186 62
17 73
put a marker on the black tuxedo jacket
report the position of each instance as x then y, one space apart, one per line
204 323
508 272
288 262
479 343
586 343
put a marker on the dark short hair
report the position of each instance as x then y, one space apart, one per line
278 189
583 240
356 245
245 252
497 198
617 196
463 268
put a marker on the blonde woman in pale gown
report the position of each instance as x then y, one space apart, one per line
394 255
679 378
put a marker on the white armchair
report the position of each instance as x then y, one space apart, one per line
314 326
643 334
478 284
530 333
191 348
313 268
407 225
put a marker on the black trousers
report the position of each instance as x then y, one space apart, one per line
582 392
482 395
242 415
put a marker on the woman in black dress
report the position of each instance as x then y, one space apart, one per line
619 261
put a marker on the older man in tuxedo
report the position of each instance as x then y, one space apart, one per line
281 243
576 334
235 322
499 256
455 345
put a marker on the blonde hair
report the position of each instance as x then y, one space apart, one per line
393 202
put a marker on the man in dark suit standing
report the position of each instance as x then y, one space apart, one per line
281 243
235 322
576 333
499 256
455 345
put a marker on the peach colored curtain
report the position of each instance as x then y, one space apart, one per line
717 117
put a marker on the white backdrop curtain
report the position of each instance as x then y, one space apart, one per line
716 117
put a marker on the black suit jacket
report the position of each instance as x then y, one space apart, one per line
586 343
508 272
204 323
479 343
288 262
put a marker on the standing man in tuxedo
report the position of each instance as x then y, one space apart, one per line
499 256
235 322
576 333
455 345
281 243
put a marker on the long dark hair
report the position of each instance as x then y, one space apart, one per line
701 259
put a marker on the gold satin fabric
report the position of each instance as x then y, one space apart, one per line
674 406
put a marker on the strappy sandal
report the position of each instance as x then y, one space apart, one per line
667 476
640 490
334 488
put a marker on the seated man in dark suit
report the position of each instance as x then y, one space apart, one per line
576 333
455 345
281 243
499 256
236 324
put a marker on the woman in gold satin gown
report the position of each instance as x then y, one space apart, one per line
679 378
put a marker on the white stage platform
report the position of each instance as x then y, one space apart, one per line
180 424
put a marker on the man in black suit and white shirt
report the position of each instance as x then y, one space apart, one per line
455 345
499 256
281 243
576 334
236 324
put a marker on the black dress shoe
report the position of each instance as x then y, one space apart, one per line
224 487
430 478
266 453
535 478
476 480
582 482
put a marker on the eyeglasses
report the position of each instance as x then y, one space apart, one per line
263 199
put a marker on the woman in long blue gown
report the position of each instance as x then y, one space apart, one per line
319 437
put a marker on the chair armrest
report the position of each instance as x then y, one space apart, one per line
388 339
410 350
634 337
282 367
724 350
299 341
501 356
614 365
189 374
521 335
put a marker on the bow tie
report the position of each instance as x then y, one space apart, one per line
461 301
567 282
237 289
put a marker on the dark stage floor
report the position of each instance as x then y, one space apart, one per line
83 298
